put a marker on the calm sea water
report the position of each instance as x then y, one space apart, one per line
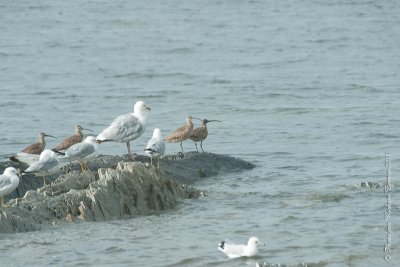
307 90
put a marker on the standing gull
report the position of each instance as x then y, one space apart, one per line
48 164
126 128
155 146
236 251
83 151
182 133
30 154
201 133
9 181
69 141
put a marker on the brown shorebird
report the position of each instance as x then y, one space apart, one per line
181 133
38 147
201 133
69 141
126 128
31 153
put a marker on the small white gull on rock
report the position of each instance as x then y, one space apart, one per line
83 151
155 146
9 181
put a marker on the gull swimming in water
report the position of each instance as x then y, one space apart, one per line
9 181
48 164
182 133
155 146
201 133
83 151
31 153
127 127
69 141
236 251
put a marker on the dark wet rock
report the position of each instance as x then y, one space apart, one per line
115 187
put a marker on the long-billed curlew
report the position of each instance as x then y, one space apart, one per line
182 133
38 147
69 141
31 153
201 133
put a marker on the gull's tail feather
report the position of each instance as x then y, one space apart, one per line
58 152
221 245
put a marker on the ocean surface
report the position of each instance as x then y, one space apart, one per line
307 90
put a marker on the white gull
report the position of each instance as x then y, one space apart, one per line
127 127
236 251
83 151
155 146
9 181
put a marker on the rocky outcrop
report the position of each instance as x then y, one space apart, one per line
116 187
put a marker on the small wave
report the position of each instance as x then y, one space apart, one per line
335 197
179 50
185 262
152 75
32 243
290 219
304 264
113 250
294 111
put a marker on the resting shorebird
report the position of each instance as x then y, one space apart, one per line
127 127
236 251
9 181
83 151
182 133
31 153
69 141
201 133
48 164
155 146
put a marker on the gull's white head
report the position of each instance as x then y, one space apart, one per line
141 108
90 140
157 133
11 171
255 242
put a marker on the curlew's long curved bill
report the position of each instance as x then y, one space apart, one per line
50 136
86 129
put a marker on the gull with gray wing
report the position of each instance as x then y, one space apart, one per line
127 127
155 146
9 181
84 151
236 251
48 164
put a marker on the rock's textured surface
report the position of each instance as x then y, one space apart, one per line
116 187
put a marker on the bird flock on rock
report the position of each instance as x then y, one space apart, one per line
125 128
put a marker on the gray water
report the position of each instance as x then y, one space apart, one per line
307 90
